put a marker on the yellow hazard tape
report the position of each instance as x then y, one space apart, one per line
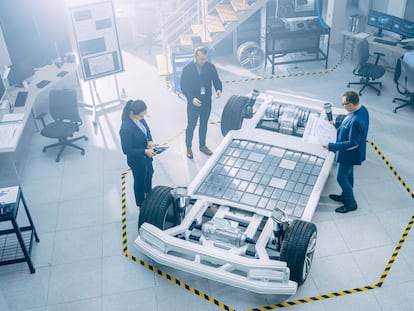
274 306
151 267
410 192
308 73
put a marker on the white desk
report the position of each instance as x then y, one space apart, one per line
392 52
35 96
353 38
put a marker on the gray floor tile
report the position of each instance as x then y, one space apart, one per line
78 213
120 274
144 299
77 244
75 281
93 304
22 290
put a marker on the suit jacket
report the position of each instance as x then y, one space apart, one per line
191 81
350 146
134 142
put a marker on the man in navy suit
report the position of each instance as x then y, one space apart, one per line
196 84
349 148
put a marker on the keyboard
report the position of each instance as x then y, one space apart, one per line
21 99
387 42
42 83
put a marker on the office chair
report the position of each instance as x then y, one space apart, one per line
366 70
63 108
404 79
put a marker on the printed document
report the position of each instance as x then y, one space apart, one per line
12 117
8 195
319 131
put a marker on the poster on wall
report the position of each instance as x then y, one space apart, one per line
97 39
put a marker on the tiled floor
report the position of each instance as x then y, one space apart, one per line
76 207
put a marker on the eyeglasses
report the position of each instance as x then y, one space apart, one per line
345 104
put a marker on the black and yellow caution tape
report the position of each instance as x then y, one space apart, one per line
315 298
410 223
360 289
403 183
274 306
307 73
151 267
275 77
396 252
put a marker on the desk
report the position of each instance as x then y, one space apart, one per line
35 96
392 53
353 38
280 42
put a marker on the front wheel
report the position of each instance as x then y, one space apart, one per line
298 248
233 113
158 208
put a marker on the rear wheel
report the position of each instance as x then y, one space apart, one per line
298 248
233 112
158 209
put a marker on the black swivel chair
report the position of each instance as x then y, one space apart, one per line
404 78
63 108
366 70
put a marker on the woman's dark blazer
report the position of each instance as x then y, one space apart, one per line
134 142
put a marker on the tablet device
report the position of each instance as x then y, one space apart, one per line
159 149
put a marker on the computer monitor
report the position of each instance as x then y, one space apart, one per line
381 21
298 8
20 72
305 8
2 89
403 27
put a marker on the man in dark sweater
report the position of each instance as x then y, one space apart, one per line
197 80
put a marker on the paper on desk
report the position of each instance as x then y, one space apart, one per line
362 35
319 131
12 117
8 195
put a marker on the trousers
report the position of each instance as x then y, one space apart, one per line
345 179
142 181
193 114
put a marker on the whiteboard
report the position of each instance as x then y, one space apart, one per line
97 39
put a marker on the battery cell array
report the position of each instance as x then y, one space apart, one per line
265 176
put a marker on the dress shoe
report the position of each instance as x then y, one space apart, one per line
206 151
345 209
337 198
189 153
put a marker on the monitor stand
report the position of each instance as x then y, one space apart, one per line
379 33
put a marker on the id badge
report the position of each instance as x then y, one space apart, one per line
202 90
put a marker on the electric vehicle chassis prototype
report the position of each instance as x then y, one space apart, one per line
245 218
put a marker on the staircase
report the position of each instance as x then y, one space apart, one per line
197 22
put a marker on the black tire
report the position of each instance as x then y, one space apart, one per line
232 116
157 208
298 248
